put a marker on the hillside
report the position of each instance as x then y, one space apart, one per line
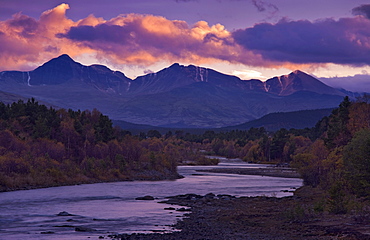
275 121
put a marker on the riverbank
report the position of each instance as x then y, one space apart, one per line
298 217
267 171
17 182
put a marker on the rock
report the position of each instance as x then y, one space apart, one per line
189 196
183 210
64 213
84 229
170 208
145 198
210 196
225 197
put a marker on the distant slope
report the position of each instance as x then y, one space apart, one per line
135 129
288 120
272 122
8 98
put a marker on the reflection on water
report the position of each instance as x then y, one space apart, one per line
109 208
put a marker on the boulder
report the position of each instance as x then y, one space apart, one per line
145 198
64 213
84 229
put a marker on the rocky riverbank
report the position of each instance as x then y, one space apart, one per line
301 216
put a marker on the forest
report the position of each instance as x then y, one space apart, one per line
41 146
333 156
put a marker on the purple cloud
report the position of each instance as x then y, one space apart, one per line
102 32
346 41
363 10
357 83
27 26
146 39
263 6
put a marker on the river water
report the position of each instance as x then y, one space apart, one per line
110 208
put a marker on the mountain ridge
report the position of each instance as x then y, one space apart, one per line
63 68
183 96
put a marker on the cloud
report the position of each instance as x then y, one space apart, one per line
131 39
25 41
263 6
247 74
343 41
147 71
144 40
147 39
356 83
363 10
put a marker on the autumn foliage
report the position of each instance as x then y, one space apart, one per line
42 146
333 156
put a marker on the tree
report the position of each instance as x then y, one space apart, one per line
278 142
103 129
356 158
154 134
338 133
310 163
359 117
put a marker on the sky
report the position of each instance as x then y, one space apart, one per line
249 38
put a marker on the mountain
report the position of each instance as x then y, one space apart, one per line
63 69
298 81
177 76
275 121
178 96
62 82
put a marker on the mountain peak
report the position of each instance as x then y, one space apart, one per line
62 58
175 65
65 56
299 72
298 81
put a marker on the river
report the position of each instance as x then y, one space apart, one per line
109 208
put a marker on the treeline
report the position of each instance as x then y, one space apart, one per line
339 160
333 156
41 146
255 145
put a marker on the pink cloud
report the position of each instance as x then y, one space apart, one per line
25 41
144 40
126 39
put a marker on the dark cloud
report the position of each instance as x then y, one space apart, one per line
363 10
102 32
27 26
132 37
263 6
346 41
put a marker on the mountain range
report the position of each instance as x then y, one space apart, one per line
178 96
